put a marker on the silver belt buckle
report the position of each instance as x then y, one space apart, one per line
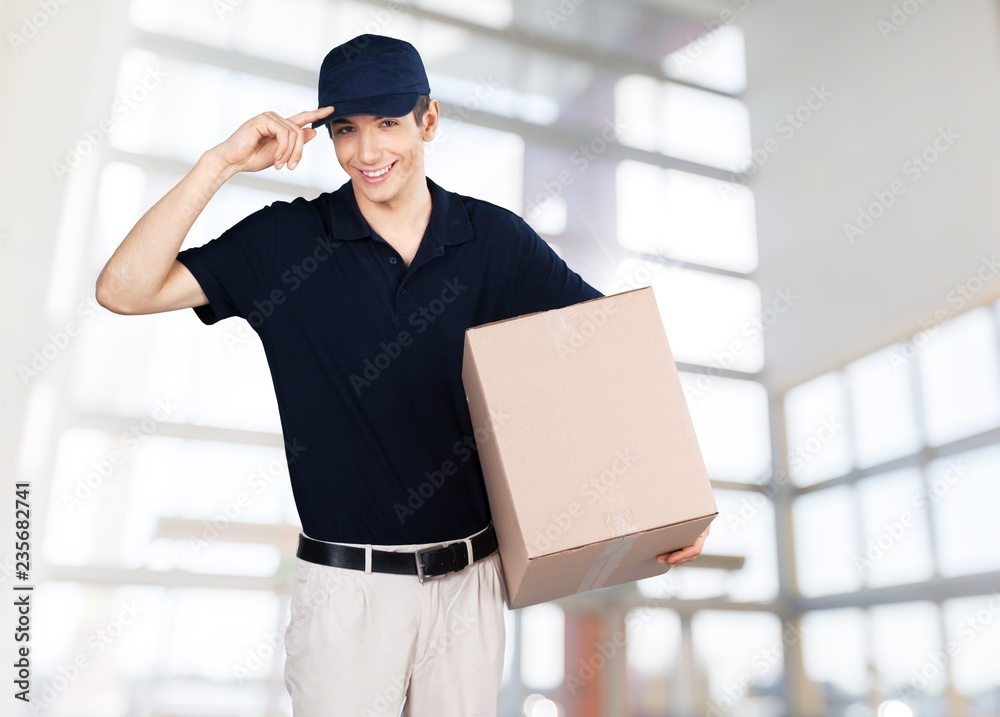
420 564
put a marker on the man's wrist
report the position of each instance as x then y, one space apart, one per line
214 166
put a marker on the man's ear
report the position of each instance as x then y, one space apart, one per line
432 118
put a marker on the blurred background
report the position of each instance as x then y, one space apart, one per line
812 191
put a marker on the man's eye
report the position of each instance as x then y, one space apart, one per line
343 130
390 123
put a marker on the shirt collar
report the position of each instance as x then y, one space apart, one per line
449 221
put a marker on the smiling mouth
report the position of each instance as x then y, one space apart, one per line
377 173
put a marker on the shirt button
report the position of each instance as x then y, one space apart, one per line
402 291
392 260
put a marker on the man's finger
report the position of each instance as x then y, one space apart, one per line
311 115
296 154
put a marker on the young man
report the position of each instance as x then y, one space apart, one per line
361 298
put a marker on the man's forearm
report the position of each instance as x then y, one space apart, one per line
140 265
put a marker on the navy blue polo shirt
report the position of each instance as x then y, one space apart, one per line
365 353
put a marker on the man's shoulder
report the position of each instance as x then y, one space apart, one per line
486 215
306 213
300 206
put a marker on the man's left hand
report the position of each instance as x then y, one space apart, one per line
684 555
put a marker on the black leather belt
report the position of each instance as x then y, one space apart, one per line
434 561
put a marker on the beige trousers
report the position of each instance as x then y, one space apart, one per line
374 643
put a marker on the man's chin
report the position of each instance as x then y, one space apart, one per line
379 194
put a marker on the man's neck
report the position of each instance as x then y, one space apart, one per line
404 218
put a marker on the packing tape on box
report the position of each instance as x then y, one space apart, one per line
620 519
563 325
606 563
571 328
621 523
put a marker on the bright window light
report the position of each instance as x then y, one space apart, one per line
686 217
754 661
709 318
960 377
217 630
882 406
825 565
745 527
835 649
503 152
973 631
963 492
156 119
491 13
731 421
84 477
543 635
897 546
682 122
817 426
716 59
653 641
905 638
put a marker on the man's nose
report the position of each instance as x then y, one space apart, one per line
369 149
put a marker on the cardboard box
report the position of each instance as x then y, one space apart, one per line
590 458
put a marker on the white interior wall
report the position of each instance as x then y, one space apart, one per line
57 78
891 95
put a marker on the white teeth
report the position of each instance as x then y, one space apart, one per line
377 173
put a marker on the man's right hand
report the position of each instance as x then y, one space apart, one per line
269 140
143 276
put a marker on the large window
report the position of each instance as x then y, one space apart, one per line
902 494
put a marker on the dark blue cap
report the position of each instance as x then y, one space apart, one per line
371 75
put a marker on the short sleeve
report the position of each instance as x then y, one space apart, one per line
542 280
236 268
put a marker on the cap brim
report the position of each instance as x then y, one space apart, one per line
380 106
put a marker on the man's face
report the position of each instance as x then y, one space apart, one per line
384 155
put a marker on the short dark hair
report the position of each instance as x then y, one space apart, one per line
419 109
